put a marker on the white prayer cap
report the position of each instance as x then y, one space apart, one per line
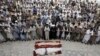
52 25
16 21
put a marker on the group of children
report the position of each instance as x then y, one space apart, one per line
71 20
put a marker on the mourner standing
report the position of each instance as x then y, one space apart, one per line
47 30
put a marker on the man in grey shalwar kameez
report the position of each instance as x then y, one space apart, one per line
33 32
39 31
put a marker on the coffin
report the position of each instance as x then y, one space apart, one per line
47 48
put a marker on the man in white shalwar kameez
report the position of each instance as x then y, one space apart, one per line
47 29
98 35
87 36
9 33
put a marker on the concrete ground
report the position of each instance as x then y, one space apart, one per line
25 48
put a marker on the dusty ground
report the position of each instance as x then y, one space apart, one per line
25 48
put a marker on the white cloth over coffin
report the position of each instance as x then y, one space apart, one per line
53 50
40 51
